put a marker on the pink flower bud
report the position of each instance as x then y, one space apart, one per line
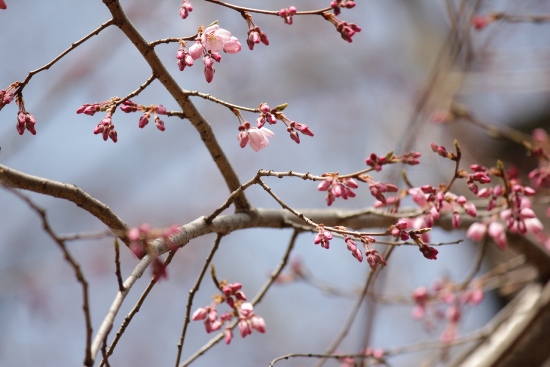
209 74
477 231
159 124
143 120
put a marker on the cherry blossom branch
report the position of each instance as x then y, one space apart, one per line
461 111
192 293
16 179
371 277
139 90
107 323
133 312
219 101
375 362
85 236
88 359
64 53
188 108
172 40
257 299
268 12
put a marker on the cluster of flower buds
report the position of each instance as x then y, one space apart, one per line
480 175
7 95
258 135
208 44
540 176
129 107
185 9
24 119
272 115
244 311
346 30
255 36
445 302
184 59
375 353
323 237
337 4
337 187
106 128
373 257
376 162
287 14
139 244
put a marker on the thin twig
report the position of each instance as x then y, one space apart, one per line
371 276
60 56
134 311
192 293
257 299
88 360
117 266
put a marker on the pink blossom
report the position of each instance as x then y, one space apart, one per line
258 138
249 321
477 231
498 234
323 238
216 39
228 335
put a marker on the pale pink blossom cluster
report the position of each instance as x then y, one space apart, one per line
244 311
210 42
258 138
445 303
540 176
139 244
129 107
258 135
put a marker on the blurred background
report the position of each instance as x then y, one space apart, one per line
357 98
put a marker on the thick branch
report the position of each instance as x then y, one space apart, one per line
20 180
